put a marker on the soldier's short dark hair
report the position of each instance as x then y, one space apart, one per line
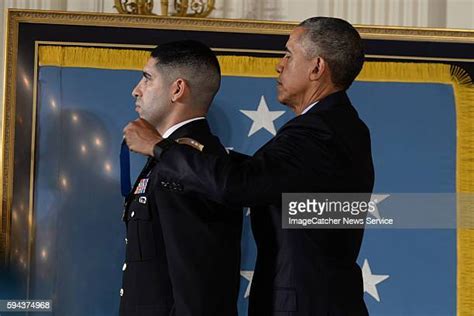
337 42
194 62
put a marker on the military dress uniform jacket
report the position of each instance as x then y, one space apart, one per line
182 250
298 271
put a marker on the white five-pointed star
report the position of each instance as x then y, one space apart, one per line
371 280
248 275
377 198
262 118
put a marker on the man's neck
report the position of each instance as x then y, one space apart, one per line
177 117
313 97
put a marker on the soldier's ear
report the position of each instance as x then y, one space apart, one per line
178 89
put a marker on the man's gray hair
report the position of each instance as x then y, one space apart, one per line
338 43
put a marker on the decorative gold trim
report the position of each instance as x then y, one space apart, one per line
127 59
415 33
198 8
149 47
465 184
8 133
92 57
31 222
465 300
252 51
229 25
86 44
4 96
190 142
408 72
150 22
461 60
142 7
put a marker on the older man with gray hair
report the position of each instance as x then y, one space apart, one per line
325 148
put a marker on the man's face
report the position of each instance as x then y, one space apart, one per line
152 95
294 69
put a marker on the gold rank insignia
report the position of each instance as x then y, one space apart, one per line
190 142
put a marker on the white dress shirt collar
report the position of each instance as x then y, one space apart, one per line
173 128
309 108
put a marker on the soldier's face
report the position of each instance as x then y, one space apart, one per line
152 95
293 69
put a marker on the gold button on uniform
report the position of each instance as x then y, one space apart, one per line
124 267
133 214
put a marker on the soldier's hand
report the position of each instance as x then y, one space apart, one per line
141 137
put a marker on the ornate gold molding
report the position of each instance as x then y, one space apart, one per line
229 25
199 8
8 133
15 17
141 7
416 34
150 22
195 8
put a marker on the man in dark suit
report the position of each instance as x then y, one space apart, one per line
182 250
325 148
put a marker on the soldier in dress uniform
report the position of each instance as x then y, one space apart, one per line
182 250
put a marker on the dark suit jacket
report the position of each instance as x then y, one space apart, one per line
182 251
298 271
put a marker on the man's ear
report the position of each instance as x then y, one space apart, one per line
178 89
318 68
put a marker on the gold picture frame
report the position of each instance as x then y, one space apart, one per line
446 39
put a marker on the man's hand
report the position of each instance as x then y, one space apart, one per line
141 136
